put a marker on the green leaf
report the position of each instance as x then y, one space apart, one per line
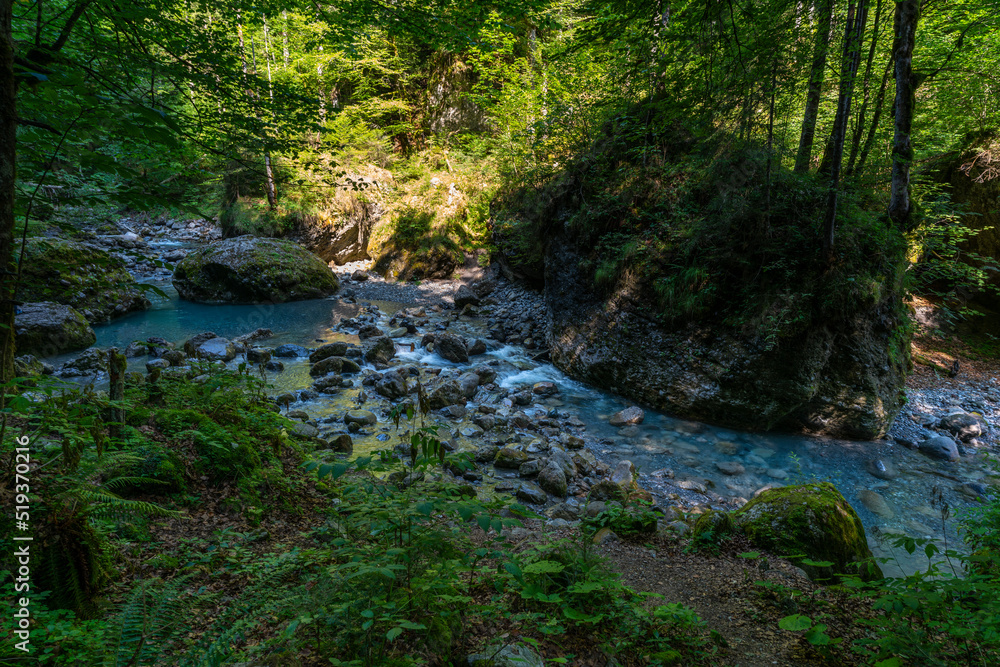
795 623
544 567
514 570
393 633
425 508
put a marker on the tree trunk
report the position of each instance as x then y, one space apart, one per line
857 15
876 119
272 191
8 153
859 127
905 30
824 32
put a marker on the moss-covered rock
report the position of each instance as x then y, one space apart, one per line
813 521
253 270
78 275
47 329
712 526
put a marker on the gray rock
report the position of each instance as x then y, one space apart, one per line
532 493
290 351
210 347
477 346
46 329
392 385
941 447
564 511
530 468
379 349
510 655
730 467
447 393
962 425
335 349
465 296
275 366
876 504
510 458
258 355
369 331
485 373
486 453
544 389
451 347
304 430
881 469
565 462
469 382
627 417
157 363
173 357
485 422
552 479
359 276
362 417
342 443
624 474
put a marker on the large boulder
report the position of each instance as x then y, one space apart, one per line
451 347
253 270
842 378
379 349
210 347
814 521
79 275
47 329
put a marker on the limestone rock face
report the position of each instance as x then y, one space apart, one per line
47 329
813 520
79 275
344 237
253 270
841 378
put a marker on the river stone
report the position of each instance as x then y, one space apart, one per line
454 411
258 355
275 366
564 511
881 469
304 430
813 520
552 479
451 347
469 382
447 393
486 453
510 458
327 366
342 443
531 493
398 332
157 364
80 275
391 385
876 504
485 422
627 417
544 389
173 357
46 329
485 373
369 331
246 269
730 467
464 296
606 490
565 462
210 349
941 447
290 351
363 417
379 349
335 349
530 468
476 346
624 474
91 361
962 425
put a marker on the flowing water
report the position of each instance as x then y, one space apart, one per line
664 449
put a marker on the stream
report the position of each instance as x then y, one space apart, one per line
676 459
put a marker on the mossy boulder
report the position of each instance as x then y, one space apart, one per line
813 521
78 275
253 270
47 329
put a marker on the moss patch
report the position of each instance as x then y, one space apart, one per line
813 521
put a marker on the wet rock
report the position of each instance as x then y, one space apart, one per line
471 432
962 425
454 411
290 351
46 329
564 511
974 489
451 347
173 357
627 417
521 398
246 269
692 485
327 366
881 469
304 430
510 458
876 504
157 364
469 382
552 479
359 276
530 468
485 373
91 361
335 349
485 422
447 393
777 473
329 384
379 349
477 346
464 296
275 366
624 474
369 331
942 447
606 490
342 443
254 336
392 385
362 417
486 453
544 389
258 355
730 467
398 332
532 494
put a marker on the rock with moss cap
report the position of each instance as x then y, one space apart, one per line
47 329
252 270
79 275
814 521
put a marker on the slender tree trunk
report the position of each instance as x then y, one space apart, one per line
8 152
859 127
876 119
824 33
905 30
319 88
857 15
272 191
